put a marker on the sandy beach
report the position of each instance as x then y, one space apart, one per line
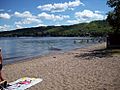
91 68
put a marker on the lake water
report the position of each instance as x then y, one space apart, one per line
15 49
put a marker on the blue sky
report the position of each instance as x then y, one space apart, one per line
15 14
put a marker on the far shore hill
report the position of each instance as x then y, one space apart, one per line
94 28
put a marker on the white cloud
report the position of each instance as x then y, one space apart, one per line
28 21
31 20
60 7
73 21
40 25
52 16
5 27
57 25
25 14
98 12
18 23
4 16
27 18
87 16
19 27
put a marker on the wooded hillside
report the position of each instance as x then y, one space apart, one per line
94 28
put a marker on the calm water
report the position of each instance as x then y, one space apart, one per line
15 49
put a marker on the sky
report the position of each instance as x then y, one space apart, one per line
16 14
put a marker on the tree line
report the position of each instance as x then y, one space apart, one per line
94 28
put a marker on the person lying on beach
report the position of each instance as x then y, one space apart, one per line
1 78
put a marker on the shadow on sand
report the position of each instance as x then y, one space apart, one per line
101 53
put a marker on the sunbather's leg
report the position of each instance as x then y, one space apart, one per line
1 78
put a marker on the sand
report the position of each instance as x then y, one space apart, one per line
80 69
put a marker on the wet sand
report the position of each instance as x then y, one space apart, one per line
80 69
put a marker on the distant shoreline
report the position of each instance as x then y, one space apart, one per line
93 28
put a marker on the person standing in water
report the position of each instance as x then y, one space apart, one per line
1 78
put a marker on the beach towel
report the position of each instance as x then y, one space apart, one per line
23 83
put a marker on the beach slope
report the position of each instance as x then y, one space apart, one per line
91 68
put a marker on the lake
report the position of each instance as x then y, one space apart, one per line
20 48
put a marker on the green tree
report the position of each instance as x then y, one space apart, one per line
114 21
114 15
